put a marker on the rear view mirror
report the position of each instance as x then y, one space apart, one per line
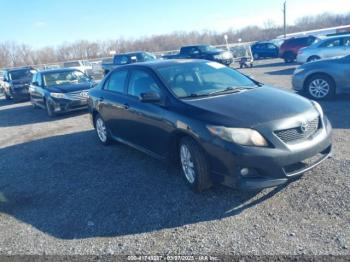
150 97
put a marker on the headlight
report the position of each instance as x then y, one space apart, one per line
242 136
298 70
57 95
318 108
217 57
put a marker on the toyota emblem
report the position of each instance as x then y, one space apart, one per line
304 126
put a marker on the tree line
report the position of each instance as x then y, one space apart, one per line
14 54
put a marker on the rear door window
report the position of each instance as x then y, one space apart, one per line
116 81
332 43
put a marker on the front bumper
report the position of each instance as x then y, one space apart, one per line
298 82
65 105
268 167
20 93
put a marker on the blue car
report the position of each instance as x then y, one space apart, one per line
264 50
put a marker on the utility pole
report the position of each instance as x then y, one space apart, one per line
285 19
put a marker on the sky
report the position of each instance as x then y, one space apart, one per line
40 23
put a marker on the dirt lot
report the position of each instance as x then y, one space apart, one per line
61 192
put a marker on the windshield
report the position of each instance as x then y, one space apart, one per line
202 79
20 74
64 78
208 48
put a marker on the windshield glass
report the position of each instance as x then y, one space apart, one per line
64 78
20 74
198 79
208 48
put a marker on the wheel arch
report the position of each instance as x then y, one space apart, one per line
175 139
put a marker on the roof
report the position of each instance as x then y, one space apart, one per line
164 63
57 70
19 68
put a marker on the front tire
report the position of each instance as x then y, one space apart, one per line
7 97
313 58
194 165
34 106
102 131
289 58
49 110
320 87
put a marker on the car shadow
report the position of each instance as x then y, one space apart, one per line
275 64
338 111
22 113
285 72
97 191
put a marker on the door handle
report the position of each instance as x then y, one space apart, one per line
126 106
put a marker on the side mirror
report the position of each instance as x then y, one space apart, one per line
150 97
35 83
91 78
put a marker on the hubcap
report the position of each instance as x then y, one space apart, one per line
319 88
101 130
187 164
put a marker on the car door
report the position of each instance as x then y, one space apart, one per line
36 89
271 50
331 48
146 127
346 46
112 102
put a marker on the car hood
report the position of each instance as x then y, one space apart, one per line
69 88
250 108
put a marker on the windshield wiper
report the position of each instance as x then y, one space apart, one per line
230 90
194 95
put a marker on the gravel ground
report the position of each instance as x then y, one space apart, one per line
61 192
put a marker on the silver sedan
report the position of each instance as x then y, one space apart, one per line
324 78
329 47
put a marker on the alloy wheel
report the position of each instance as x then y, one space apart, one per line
187 164
319 88
101 130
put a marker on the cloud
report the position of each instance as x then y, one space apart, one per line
39 24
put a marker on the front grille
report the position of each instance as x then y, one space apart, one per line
75 95
300 133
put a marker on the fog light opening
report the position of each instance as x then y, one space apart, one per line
245 171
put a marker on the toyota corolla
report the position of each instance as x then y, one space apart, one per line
217 124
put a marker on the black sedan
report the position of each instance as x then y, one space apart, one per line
60 90
218 124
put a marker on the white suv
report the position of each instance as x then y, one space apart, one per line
82 65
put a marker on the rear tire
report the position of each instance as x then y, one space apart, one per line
320 87
102 132
194 165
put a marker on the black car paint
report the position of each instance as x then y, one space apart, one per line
40 94
206 55
155 128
